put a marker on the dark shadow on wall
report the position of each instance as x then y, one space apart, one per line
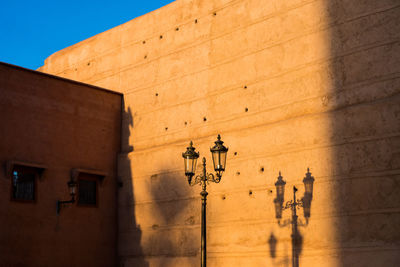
130 252
273 242
173 234
365 137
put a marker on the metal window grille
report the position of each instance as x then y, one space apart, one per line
87 192
23 185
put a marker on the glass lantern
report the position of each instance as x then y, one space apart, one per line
190 161
219 152
72 187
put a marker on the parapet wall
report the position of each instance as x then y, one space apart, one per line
288 85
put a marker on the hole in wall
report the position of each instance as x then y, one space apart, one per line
204 119
262 169
145 56
143 42
185 122
177 29
88 63
166 128
246 109
215 13
161 36
235 153
237 173
195 21
250 192
156 94
223 197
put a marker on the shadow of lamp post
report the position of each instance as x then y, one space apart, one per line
293 205
218 152
72 187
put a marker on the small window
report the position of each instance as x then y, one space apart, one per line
87 189
24 183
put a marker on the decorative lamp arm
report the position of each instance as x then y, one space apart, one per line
211 178
196 180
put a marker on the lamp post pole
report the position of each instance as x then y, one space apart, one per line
204 194
219 159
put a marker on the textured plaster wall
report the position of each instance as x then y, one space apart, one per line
288 85
60 125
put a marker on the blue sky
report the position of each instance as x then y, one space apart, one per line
30 31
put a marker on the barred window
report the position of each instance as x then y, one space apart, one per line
87 189
24 183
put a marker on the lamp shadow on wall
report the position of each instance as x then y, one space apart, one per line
297 242
273 243
129 233
294 205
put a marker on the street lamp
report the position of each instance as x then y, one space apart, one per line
218 152
72 189
294 204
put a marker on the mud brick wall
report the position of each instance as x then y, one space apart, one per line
288 85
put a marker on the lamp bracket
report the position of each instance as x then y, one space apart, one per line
211 178
196 180
208 178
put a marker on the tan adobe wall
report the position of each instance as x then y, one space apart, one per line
60 125
320 81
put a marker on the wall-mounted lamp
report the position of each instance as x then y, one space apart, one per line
72 191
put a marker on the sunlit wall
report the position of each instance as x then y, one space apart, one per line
289 85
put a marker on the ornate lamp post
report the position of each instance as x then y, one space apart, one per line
218 152
294 204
